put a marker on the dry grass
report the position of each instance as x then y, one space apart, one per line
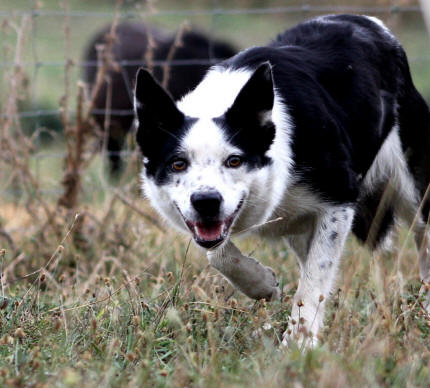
135 305
97 292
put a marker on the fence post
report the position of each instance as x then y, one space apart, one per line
425 7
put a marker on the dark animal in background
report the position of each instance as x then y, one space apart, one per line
196 53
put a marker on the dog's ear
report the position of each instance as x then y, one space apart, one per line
156 111
251 113
254 103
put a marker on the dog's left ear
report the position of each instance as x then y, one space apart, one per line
254 102
156 111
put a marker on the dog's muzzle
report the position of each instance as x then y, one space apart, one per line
210 229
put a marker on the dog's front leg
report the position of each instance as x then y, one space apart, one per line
319 254
245 273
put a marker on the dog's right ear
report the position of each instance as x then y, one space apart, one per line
156 111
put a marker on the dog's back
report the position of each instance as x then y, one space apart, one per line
361 128
403 177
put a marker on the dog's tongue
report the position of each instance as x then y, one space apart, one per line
209 232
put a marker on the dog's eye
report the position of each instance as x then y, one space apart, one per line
179 165
233 161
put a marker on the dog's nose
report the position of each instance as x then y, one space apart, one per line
207 203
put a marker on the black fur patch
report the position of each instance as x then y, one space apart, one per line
245 123
161 127
161 149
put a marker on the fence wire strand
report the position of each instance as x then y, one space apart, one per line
225 11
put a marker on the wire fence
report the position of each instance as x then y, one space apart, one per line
216 10
35 63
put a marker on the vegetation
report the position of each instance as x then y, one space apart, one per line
95 291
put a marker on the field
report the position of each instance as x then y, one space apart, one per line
96 290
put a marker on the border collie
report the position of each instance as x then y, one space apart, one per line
131 43
316 134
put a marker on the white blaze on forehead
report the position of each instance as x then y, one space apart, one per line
215 94
206 140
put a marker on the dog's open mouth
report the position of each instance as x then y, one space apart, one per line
211 233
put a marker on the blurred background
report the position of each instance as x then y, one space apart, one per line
44 57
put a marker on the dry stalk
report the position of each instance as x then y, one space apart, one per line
185 26
107 120
92 303
106 60
6 236
126 201
77 135
74 156
150 46
15 147
44 268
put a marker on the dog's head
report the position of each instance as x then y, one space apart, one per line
207 174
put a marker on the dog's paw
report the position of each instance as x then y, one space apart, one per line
274 284
267 286
245 273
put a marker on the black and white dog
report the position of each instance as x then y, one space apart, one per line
322 131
